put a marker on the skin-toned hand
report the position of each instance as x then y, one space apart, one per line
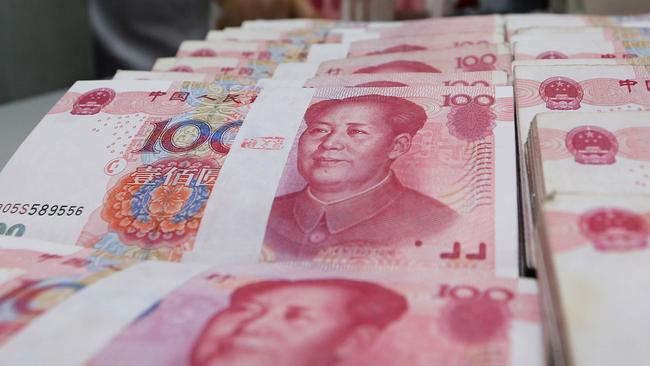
236 11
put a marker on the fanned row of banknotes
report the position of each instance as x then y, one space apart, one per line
306 192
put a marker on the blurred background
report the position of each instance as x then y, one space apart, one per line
47 45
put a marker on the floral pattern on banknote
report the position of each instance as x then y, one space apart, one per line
44 280
154 207
164 210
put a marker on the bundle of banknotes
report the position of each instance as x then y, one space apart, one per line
309 192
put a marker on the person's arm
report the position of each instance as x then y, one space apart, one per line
305 9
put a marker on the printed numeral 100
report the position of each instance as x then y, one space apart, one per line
217 139
463 292
464 99
466 83
469 61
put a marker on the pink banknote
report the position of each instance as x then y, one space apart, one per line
410 44
582 144
574 150
607 229
580 33
484 78
35 277
294 319
570 88
474 58
372 176
596 253
217 66
135 178
266 51
561 49
579 88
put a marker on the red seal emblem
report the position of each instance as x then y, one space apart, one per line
614 229
203 52
561 93
592 145
550 55
181 69
93 101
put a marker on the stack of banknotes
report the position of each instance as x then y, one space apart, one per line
308 192
583 115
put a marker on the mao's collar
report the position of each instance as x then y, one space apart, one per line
343 214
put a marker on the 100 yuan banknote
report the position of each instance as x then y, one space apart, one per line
481 79
300 73
221 316
36 276
63 291
266 51
370 176
284 77
561 49
637 61
575 150
474 58
406 44
517 22
596 256
330 52
582 88
124 166
586 33
217 66
271 315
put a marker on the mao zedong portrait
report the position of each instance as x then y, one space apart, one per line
315 322
352 196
